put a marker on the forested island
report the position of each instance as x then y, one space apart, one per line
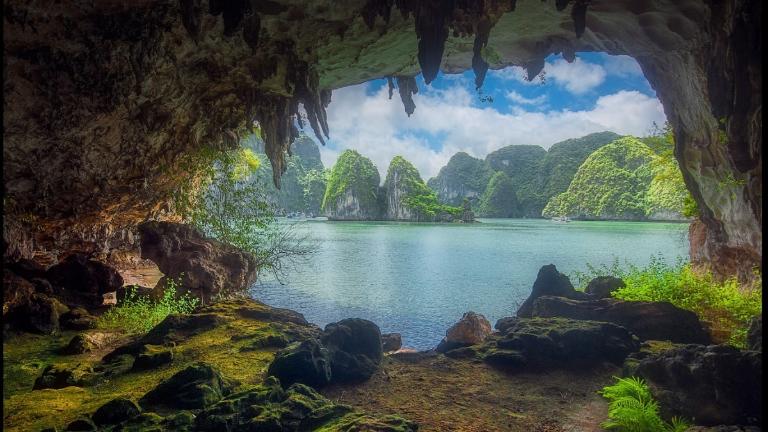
600 176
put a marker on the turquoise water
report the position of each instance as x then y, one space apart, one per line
418 279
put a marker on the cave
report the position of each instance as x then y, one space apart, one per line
102 101
105 104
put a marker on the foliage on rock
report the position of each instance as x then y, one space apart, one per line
405 188
356 176
463 177
500 198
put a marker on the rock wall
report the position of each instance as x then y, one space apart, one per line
104 99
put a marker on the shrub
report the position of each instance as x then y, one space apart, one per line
139 314
631 408
725 305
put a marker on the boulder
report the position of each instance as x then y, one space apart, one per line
471 329
541 343
152 356
505 323
77 319
354 347
391 342
711 385
39 314
603 286
60 376
647 320
306 362
198 386
84 279
84 343
16 292
755 334
205 266
26 268
549 282
115 411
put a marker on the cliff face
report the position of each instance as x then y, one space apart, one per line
463 177
104 100
403 182
353 191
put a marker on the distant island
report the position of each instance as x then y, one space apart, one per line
600 176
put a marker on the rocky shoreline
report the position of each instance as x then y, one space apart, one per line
242 365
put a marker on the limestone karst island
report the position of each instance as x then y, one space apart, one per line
382 216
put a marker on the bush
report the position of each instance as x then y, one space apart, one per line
631 408
725 305
139 314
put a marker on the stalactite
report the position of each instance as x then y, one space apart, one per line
534 67
390 86
579 15
407 87
251 29
479 65
276 120
432 32
190 17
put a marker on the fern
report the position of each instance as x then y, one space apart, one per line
632 408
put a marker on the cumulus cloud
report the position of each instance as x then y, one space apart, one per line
517 98
577 77
446 122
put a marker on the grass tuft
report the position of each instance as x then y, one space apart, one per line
138 314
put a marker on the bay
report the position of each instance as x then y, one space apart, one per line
418 279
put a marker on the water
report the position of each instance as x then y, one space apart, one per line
418 279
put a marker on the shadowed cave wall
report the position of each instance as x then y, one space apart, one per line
103 99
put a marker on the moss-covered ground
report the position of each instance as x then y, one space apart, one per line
443 394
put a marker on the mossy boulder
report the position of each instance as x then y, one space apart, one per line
603 286
115 411
198 386
306 362
77 319
38 314
549 282
83 279
59 376
153 356
355 349
544 343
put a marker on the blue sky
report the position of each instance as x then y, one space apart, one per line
594 93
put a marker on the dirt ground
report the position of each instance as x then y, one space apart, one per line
444 394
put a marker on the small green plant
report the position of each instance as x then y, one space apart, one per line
726 305
631 408
138 314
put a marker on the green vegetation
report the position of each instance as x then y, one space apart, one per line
463 177
500 198
631 408
302 185
625 179
355 174
416 196
138 314
726 306
522 164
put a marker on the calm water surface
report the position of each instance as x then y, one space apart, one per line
418 279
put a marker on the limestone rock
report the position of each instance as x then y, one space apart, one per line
115 411
306 362
84 279
471 329
549 282
353 191
541 343
59 376
463 177
84 343
603 286
713 385
77 319
198 386
647 320
152 356
206 266
391 342
354 347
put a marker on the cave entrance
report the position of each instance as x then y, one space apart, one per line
394 173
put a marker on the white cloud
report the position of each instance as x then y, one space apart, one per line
577 77
379 128
621 65
517 98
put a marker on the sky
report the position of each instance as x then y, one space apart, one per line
596 92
